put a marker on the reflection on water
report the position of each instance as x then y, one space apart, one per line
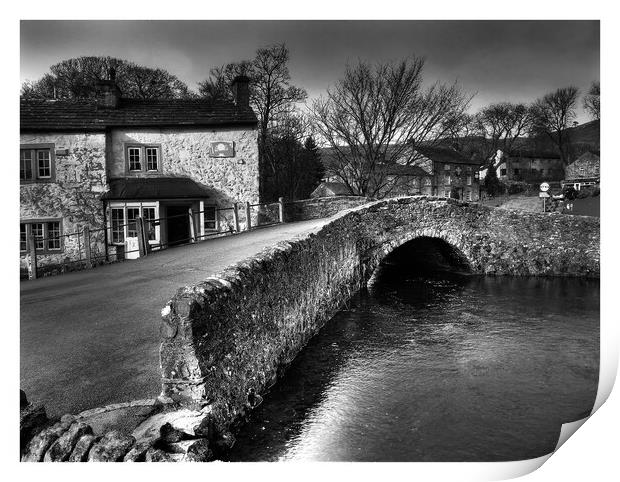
437 368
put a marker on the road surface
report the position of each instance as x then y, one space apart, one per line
91 338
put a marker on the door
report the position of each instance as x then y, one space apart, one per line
177 220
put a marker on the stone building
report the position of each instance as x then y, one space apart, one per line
453 174
531 166
434 171
584 171
100 164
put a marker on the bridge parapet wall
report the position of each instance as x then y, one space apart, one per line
226 339
322 207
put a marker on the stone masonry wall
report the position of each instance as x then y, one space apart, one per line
584 167
185 152
75 194
322 207
225 340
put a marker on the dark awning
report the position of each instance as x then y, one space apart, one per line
155 188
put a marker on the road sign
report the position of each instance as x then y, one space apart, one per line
543 194
544 187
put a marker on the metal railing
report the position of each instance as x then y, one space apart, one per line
91 247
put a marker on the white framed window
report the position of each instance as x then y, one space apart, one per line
469 179
447 179
44 164
123 221
468 194
446 193
135 158
47 233
36 163
152 158
143 159
210 218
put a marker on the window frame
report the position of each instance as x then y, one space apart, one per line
141 206
34 163
214 220
28 223
143 159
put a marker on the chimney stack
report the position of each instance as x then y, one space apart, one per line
109 93
240 87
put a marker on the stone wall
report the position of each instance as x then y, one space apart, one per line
139 431
322 207
586 166
226 339
75 196
185 152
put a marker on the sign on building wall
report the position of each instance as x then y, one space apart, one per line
223 149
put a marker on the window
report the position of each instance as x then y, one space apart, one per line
446 193
502 171
47 236
132 227
468 194
152 158
446 167
210 218
134 159
118 228
447 179
44 164
53 235
143 159
469 179
36 230
124 221
25 165
149 223
36 164
23 237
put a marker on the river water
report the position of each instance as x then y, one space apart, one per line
436 367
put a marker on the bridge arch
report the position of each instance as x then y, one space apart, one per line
441 247
428 252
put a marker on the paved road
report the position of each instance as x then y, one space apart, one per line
91 338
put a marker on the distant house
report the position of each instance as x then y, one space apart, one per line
453 174
434 171
531 166
328 189
102 164
584 171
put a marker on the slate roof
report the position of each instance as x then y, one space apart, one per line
445 155
335 188
87 115
156 188
404 170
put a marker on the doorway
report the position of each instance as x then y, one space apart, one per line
177 220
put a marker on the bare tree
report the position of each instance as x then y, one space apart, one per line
77 78
375 116
553 114
592 100
271 93
498 127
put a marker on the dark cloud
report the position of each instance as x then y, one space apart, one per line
512 60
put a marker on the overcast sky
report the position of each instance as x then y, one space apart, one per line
500 60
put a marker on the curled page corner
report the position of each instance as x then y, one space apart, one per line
568 429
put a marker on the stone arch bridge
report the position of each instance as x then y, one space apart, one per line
227 338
